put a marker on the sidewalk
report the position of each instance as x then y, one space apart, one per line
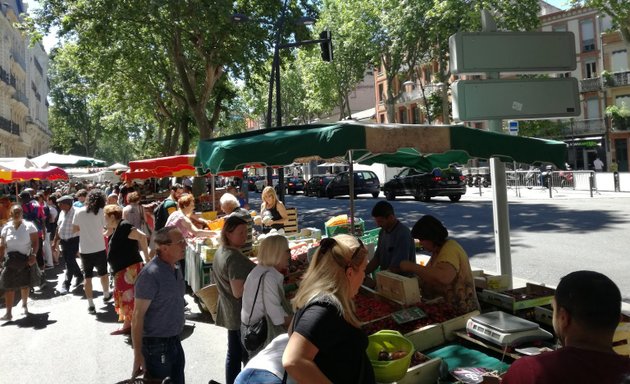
539 193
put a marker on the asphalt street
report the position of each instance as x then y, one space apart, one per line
59 342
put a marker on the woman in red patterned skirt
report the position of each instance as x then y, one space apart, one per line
123 256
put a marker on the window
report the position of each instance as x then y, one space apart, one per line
560 28
590 69
619 61
592 109
402 115
623 101
588 35
381 93
415 115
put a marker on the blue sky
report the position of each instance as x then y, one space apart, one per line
562 4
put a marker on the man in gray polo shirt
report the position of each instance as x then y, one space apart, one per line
158 316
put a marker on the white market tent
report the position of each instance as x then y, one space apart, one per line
60 160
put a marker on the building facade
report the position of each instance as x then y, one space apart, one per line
23 88
589 135
616 84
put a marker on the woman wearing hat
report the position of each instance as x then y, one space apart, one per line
447 273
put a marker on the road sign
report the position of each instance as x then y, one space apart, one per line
513 127
515 99
478 52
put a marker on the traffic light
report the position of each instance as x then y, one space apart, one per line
326 46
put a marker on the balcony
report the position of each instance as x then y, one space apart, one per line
590 85
416 93
584 127
21 97
617 79
9 126
18 58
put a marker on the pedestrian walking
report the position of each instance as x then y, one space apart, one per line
66 242
158 316
89 222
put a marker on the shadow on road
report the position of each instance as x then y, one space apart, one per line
470 223
32 320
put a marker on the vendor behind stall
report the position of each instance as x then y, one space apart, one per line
448 272
394 245
274 214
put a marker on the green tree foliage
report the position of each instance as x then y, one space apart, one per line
173 52
75 114
547 129
618 10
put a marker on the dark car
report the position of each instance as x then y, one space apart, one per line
316 185
292 185
424 185
364 182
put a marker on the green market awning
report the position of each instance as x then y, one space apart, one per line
285 145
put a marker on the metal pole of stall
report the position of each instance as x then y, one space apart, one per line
351 190
213 192
501 217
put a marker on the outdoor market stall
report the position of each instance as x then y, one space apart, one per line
395 145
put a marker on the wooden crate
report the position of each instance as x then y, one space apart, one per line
291 226
532 295
399 288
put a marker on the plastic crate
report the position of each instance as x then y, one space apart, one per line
359 228
370 236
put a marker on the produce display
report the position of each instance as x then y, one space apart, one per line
383 355
418 358
436 313
369 307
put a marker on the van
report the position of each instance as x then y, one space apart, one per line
364 182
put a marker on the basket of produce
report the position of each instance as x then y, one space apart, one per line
390 354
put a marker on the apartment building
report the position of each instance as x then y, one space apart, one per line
589 135
616 84
23 88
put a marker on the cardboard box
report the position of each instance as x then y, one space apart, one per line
492 282
532 295
398 288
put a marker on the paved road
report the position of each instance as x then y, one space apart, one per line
550 237
61 343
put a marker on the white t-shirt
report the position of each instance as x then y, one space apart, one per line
269 290
270 358
91 238
18 239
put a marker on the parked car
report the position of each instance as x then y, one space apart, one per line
262 183
251 182
424 185
364 182
292 185
316 185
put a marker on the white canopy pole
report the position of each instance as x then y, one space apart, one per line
501 217
351 190
213 188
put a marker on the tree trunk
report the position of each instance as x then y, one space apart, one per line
185 133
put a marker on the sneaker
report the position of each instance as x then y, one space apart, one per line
64 289
107 298
92 310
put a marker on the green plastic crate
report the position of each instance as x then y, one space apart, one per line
359 228
370 236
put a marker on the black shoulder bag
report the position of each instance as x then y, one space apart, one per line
255 334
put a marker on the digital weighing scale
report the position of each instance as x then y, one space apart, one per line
504 329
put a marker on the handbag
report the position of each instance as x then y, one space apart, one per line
16 261
255 334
